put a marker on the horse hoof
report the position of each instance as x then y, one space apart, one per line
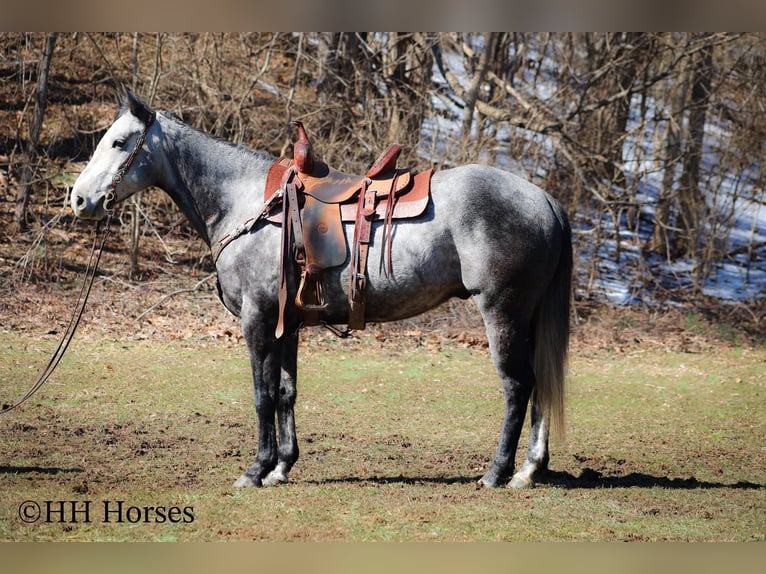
487 482
245 481
521 482
274 478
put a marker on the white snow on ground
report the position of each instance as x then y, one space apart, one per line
620 272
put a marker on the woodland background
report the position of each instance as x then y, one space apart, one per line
653 141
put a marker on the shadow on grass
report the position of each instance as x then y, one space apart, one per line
588 478
5 469
401 479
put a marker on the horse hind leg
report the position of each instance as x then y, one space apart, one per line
510 350
537 453
551 338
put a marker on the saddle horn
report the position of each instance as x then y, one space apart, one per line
303 153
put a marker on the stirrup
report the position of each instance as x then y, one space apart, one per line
316 296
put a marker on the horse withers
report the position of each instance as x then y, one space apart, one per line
486 234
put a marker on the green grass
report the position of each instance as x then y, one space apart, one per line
659 446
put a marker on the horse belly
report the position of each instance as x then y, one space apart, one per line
425 272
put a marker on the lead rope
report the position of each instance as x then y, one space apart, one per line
82 299
90 272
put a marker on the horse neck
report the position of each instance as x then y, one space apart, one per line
208 178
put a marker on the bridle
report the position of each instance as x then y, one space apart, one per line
125 166
90 270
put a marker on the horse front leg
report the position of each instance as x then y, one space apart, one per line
288 441
265 361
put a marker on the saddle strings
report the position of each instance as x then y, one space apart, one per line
74 321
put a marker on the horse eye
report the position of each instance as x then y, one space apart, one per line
118 143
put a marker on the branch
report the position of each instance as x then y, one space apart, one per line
450 78
543 120
690 49
173 294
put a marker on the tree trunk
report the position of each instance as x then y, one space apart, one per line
407 73
334 52
31 155
612 63
472 93
690 198
135 203
662 237
634 45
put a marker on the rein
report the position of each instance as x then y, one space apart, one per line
82 298
90 271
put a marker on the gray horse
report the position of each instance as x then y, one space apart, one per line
486 234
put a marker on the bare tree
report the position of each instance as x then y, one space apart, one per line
407 74
340 63
30 159
664 220
616 125
691 200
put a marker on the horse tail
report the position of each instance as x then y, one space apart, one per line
551 332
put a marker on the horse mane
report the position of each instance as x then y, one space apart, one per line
242 148
171 116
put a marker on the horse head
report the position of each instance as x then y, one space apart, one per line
121 164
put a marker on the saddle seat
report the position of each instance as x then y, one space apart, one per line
315 206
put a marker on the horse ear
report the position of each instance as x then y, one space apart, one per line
136 106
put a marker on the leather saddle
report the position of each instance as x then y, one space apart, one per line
317 200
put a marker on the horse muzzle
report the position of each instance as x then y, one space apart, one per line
87 206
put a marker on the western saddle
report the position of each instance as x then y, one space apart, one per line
316 201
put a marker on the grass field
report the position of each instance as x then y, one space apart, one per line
660 445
